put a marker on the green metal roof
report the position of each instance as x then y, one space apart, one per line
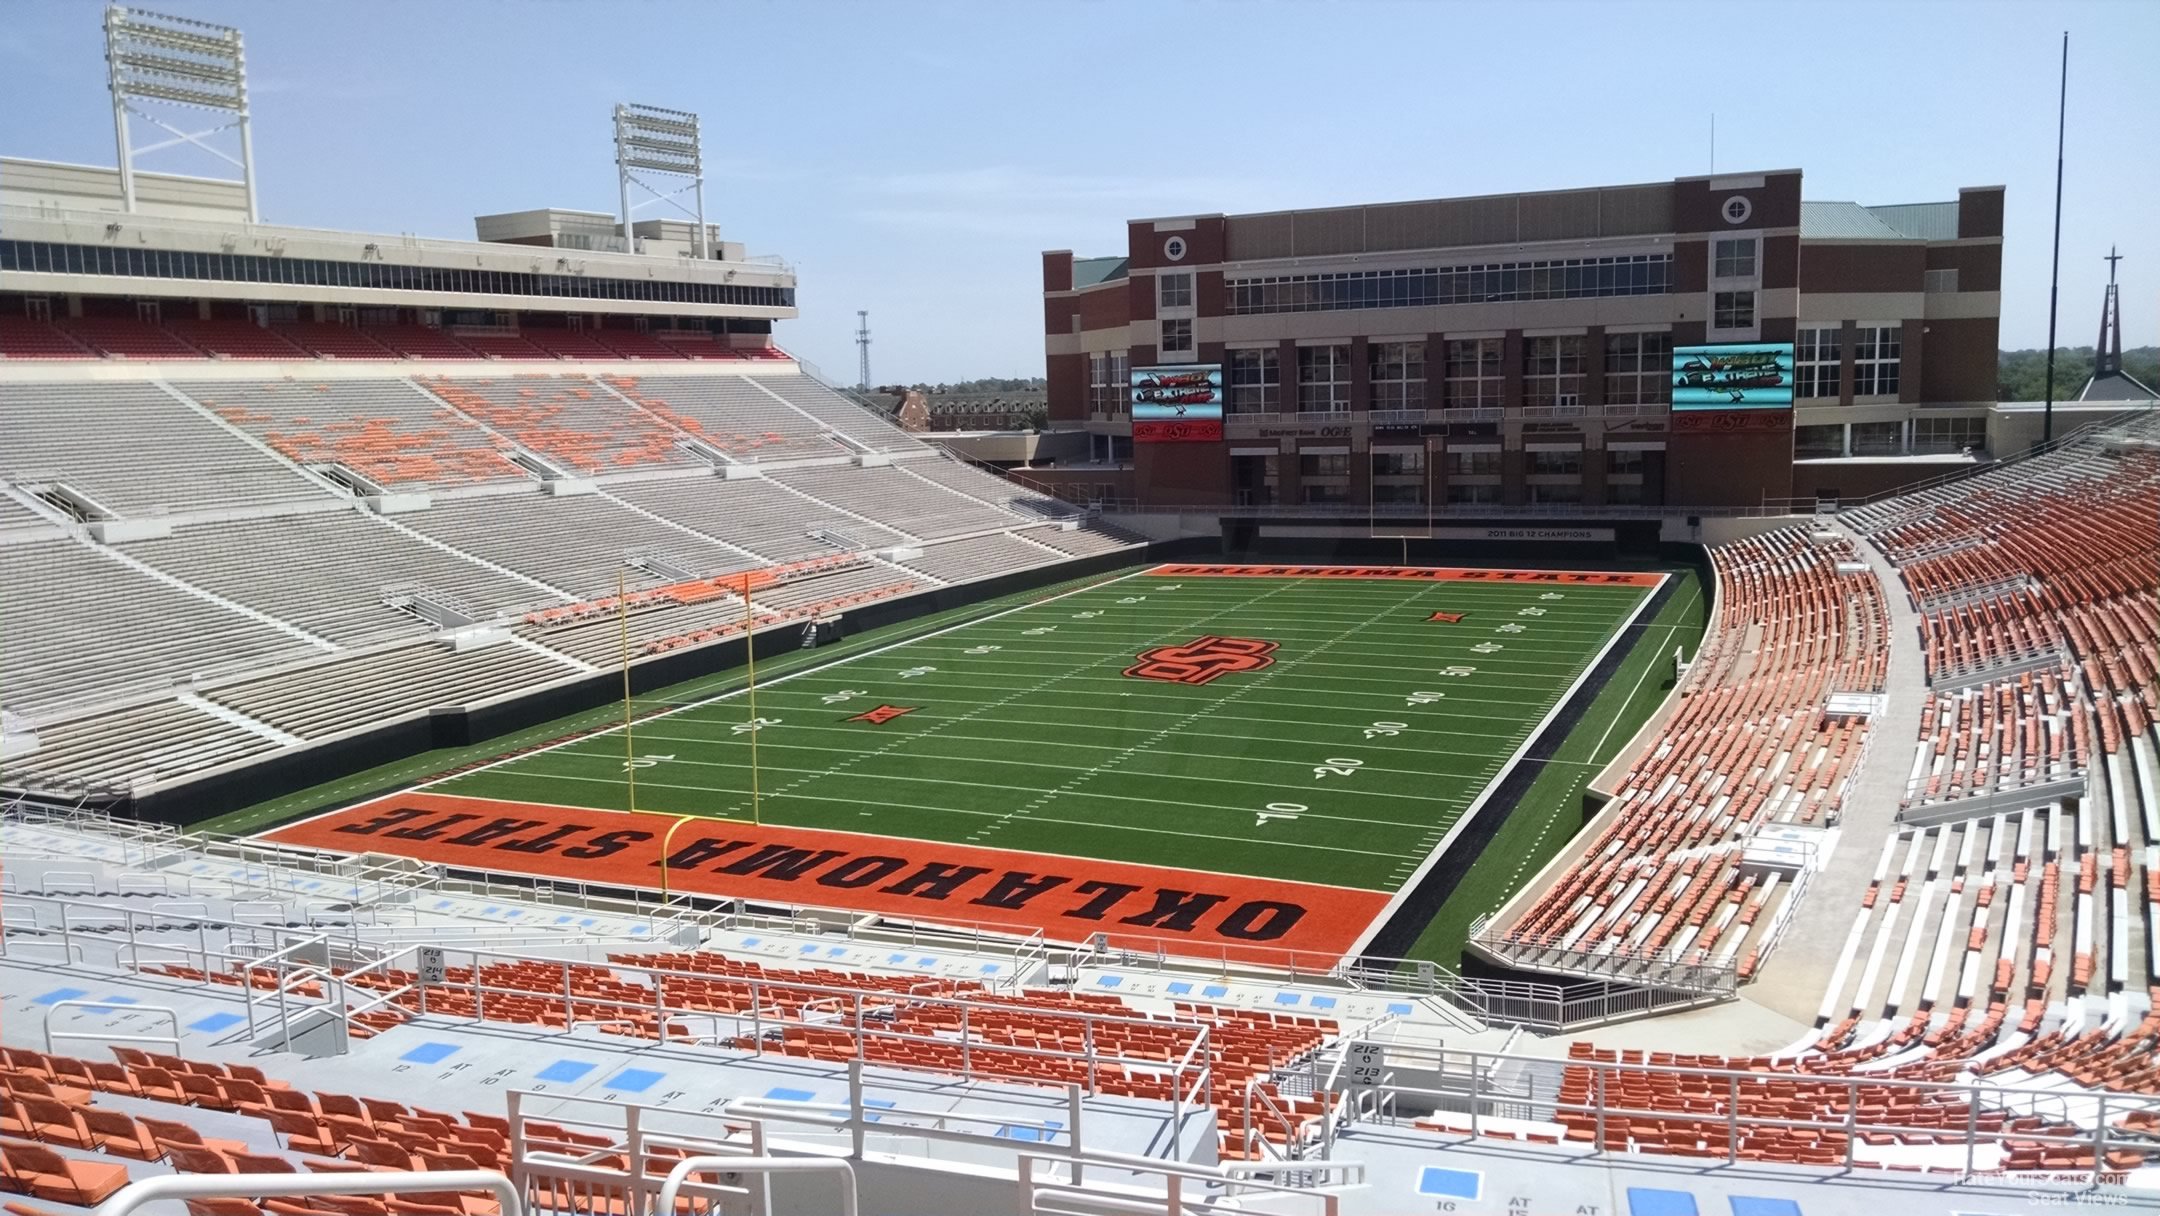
1087 272
1921 221
1900 222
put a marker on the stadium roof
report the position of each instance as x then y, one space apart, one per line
1902 222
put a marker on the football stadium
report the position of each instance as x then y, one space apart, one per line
1564 702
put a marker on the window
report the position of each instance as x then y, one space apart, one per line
1323 374
1412 494
1325 495
1556 464
1626 494
1878 438
1639 274
1473 373
318 272
1817 442
1473 464
1949 434
1472 494
1625 464
1177 337
1174 290
1935 282
1638 369
1325 465
1109 385
1255 381
1875 360
1397 372
1253 480
1732 310
1399 462
1569 493
1816 355
1553 370
1733 259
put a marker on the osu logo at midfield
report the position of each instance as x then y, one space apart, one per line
1202 659
883 714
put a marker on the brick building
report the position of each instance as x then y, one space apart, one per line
1515 350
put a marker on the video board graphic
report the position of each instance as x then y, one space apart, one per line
1177 403
1733 376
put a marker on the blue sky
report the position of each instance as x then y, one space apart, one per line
915 159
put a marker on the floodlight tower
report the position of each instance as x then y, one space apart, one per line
153 59
665 142
862 349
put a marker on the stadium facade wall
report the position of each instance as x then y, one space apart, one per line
1736 258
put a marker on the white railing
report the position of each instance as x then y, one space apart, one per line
254 1187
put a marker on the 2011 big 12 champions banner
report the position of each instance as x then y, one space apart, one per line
1177 403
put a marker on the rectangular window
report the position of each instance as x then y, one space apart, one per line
1177 338
1732 310
1399 462
1734 259
1638 369
1556 464
1473 464
1174 290
1323 379
1472 494
1817 354
1109 385
1566 493
1553 370
1401 495
1818 442
1326 465
1936 282
1556 279
1255 381
1473 373
1625 464
1878 438
1397 373
1875 360
1938 435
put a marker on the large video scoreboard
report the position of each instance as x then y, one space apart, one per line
1733 376
1177 403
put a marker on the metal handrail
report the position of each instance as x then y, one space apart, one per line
172 1040
258 1186
850 1198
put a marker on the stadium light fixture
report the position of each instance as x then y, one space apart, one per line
160 61
661 141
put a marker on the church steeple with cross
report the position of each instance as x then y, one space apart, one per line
2107 352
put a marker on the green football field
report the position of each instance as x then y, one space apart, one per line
1344 759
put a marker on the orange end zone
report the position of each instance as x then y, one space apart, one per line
1436 574
1067 898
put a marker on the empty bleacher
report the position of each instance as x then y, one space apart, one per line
350 693
159 741
1662 878
81 625
331 572
135 450
576 544
897 500
387 431
964 478
325 340
731 415
235 340
1087 540
756 514
420 342
569 420
122 338
23 338
963 561
872 431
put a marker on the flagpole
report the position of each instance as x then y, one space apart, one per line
2062 110
622 610
750 643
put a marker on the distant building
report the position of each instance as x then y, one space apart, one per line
1518 350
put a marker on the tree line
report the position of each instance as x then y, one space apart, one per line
2021 375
